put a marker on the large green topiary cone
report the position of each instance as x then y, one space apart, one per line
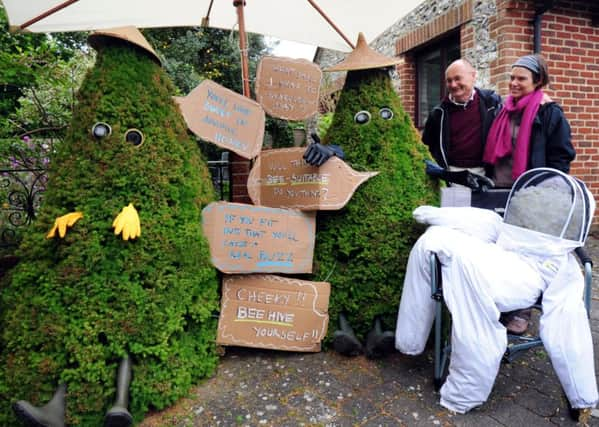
362 249
74 306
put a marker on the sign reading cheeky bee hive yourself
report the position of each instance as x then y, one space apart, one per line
282 178
225 118
288 88
267 311
257 239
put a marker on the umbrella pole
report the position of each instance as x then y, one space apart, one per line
46 14
239 5
240 166
331 23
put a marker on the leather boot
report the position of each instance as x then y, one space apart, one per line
379 343
344 339
118 415
49 415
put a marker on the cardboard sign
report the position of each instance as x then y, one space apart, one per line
256 239
225 118
282 178
288 88
275 312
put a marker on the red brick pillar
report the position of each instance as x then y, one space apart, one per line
407 89
240 169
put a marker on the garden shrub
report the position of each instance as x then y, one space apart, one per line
73 307
362 249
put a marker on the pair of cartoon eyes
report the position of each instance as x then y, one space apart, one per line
103 130
363 117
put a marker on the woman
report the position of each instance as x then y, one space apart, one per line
530 131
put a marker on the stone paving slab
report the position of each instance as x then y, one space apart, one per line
272 388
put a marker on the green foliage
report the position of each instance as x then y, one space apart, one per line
45 109
281 132
192 55
362 249
324 123
40 72
74 306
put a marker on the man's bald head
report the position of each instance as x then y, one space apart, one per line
460 77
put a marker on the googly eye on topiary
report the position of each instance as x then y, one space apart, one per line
101 130
134 137
386 113
362 117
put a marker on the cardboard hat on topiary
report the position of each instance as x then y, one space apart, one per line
97 39
75 306
363 57
362 249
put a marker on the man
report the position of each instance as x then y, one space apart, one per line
456 133
457 128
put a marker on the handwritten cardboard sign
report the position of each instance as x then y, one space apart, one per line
225 118
267 311
288 88
257 239
282 178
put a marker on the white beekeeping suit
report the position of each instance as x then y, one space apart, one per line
489 266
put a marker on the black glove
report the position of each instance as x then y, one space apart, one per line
466 178
479 182
316 153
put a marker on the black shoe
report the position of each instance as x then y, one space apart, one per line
379 343
49 415
344 339
118 415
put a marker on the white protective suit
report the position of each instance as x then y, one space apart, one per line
489 267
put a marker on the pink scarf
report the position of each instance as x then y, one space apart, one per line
499 141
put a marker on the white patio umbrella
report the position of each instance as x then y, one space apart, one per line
332 24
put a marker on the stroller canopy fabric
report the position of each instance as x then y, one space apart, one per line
551 202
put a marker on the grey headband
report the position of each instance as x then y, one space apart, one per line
529 62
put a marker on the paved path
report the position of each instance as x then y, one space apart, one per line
271 388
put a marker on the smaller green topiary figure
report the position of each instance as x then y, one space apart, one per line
362 249
87 310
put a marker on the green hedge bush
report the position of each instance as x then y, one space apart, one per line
74 306
363 248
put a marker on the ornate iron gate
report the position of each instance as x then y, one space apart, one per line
21 192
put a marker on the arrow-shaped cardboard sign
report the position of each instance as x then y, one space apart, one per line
282 178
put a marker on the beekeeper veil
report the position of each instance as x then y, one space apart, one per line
551 202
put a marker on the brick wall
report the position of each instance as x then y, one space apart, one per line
570 43
406 70
240 169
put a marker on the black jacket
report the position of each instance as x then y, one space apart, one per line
436 129
551 140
